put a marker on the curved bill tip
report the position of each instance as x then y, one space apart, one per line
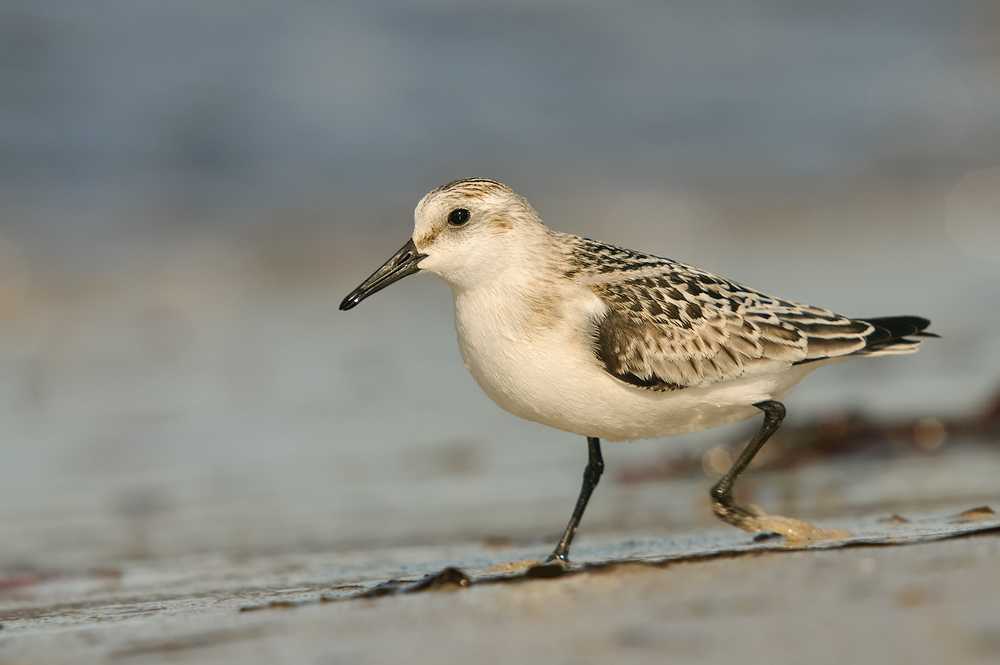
404 262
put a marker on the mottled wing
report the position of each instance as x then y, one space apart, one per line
670 326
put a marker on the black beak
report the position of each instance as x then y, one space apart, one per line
403 263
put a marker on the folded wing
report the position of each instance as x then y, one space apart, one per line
669 326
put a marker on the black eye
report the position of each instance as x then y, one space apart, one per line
458 216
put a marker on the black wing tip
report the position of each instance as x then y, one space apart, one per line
891 330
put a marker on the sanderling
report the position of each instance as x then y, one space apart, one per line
615 344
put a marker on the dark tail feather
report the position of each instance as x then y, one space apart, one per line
892 330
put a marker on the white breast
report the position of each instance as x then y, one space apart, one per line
535 359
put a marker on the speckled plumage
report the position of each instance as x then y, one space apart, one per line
671 326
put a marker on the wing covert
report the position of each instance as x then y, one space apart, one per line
670 326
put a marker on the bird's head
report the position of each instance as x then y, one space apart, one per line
464 232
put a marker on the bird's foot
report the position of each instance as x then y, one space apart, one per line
797 533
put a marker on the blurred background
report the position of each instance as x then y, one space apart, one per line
188 190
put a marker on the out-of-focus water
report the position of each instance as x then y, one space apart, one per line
117 117
187 190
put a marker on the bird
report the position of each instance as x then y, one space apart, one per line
615 344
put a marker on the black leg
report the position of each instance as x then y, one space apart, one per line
592 474
723 503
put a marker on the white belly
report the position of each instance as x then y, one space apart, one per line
541 366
